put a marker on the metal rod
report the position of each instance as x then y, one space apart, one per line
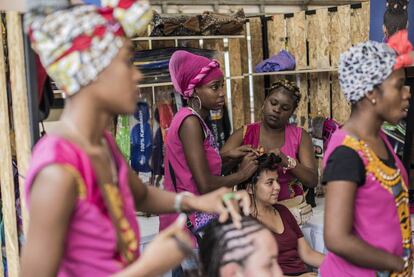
250 70
186 38
227 74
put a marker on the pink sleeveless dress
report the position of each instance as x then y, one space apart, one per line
293 138
381 213
174 155
91 241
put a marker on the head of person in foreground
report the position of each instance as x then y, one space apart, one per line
226 251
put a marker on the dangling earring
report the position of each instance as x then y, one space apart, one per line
373 101
199 103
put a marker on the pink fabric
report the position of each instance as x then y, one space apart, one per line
189 71
90 244
174 154
293 138
375 216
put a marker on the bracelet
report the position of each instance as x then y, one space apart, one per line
179 199
292 163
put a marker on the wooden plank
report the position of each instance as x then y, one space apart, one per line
340 32
365 19
322 51
246 84
257 57
238 105
313 40
6 174
319 94
19 100
296 32
358 32
302 112
276 34
217 45
341 109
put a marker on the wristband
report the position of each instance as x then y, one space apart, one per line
179 199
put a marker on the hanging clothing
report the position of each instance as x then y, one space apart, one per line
175 156
381 204
91 239
289 186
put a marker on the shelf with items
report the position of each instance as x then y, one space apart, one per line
231 52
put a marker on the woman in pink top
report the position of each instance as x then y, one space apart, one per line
192 159
82 195
367 226
274 134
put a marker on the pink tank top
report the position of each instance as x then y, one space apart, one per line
174 155
293 138
377 220
91 242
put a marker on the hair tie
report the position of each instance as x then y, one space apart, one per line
400 43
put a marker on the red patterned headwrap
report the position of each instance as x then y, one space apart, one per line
76 44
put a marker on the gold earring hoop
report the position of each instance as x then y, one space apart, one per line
199 102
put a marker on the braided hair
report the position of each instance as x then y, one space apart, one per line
265 162
223 243
288 86
396 16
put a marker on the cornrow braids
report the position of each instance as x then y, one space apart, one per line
396 16
291 87
223 243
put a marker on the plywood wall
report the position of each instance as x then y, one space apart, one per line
327 33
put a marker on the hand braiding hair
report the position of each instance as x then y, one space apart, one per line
223 243
265 162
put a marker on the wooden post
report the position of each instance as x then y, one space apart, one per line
302 112
360 24
276 38
340 42
238 105
6 174
257 55
19 100
296 32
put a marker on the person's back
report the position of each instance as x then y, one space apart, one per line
91 242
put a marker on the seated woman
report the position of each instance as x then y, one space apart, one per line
264 189
250 251
274 134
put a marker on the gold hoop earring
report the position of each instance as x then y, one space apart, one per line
199 102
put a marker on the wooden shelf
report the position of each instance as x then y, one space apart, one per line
294 72
187 37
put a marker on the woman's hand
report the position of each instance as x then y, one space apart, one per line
166 251
281 155
248 166
239 152
223 202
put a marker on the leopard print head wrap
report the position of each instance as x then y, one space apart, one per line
363 67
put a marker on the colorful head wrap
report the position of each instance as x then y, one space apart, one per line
189 71
289 86
77 43
369 64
